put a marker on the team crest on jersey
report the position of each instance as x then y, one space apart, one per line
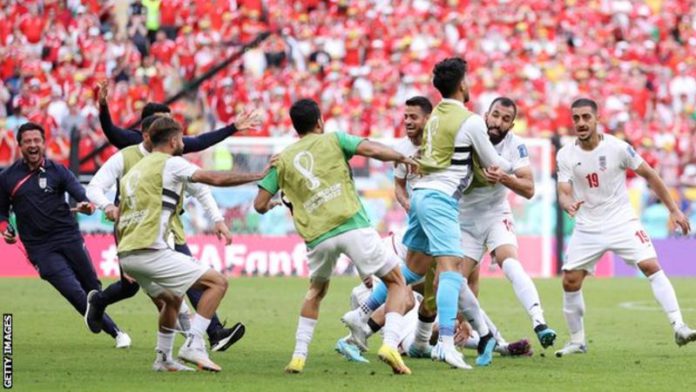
42 182
603 163
631 152
522 149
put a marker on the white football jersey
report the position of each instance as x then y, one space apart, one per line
598 178
406 147
493 199
472 134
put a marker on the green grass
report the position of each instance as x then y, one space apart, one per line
629 349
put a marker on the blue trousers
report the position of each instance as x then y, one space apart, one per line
66 265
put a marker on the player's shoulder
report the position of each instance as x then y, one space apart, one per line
177 162
405 146
616 142
613 140
514 142
619 146
10 169
566 150
515 146
475 120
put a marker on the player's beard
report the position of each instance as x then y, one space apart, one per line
179 151
498 136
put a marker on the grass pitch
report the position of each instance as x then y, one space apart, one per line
631 346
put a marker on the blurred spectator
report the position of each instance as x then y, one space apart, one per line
74 120
16 119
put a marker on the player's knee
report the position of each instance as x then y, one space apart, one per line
649 267
571 283
221 283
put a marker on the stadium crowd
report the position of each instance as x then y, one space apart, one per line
361 59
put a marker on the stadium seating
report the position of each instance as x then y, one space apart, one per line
361 59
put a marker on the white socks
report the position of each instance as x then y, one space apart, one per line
393 329
303 336
184 309
198 326
664 294
469 306
424 330
525 290
493 328
165 343
574 310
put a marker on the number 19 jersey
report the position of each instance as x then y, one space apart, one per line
598 178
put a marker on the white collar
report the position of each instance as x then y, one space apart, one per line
143 150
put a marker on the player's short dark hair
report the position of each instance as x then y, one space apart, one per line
305 115
583 102
149 120
163 129
447 75
505 101
421 102
151 108
30 126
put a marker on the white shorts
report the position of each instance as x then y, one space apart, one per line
394 243
628 240
364 248
486 233
160 270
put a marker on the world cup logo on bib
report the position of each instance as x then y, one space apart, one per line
304 163
131 185
430 132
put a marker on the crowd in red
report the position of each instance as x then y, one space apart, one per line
361 59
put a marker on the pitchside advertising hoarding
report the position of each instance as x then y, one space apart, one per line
255 255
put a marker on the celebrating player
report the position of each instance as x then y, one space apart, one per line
314 175
107 176
592 189
486 220
451 137
151 195
122 138
35 189
499 120
220 337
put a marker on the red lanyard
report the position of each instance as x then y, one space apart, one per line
26 178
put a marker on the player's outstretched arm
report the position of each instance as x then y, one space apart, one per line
247 120
224 177
119 137
660 189
379 151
